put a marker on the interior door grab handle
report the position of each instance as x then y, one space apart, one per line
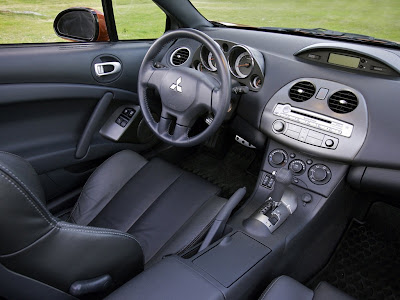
107 68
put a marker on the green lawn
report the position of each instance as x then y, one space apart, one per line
30 21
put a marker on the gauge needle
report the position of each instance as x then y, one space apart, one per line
244 65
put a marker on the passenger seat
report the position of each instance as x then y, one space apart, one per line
286 288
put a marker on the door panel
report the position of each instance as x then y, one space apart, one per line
48 95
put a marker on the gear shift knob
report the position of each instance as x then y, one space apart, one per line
283 178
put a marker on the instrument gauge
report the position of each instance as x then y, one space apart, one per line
207 59
256 81
241 62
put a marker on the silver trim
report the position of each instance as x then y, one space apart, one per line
336 126
205 64
99 68
229 60
176 50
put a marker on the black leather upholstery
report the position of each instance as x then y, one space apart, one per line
149 209
154 201
35 244
286 288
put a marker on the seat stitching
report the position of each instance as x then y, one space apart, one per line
20 182
270 287
26 197
93 174
58 226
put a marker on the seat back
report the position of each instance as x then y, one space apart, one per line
36 244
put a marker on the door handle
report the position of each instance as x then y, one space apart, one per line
107 68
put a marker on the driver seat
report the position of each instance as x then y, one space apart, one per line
131 212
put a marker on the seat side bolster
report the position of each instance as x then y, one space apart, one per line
78 253
105 182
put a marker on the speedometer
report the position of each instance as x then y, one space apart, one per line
241 62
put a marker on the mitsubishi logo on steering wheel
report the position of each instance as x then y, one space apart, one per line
176 86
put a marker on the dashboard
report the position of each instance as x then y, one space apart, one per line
334 100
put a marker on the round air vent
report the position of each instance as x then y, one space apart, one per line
343 102
302 91
180 56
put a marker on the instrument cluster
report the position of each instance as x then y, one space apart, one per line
246 65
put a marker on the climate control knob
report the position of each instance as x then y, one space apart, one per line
319 174
297 166
278 158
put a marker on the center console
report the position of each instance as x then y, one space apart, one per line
262 239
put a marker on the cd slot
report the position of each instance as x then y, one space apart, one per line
309 116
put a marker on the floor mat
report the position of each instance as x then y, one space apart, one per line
366 264
229 173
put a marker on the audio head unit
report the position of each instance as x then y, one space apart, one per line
316 120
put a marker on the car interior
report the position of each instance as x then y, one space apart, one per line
219 161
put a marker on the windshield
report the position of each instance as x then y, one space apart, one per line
377 18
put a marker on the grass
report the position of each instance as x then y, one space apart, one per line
31 21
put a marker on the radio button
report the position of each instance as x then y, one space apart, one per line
337 131
294 127
303 134
315 134
292 134
313 141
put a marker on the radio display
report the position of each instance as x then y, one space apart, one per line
344 60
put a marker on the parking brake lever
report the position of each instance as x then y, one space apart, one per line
219 224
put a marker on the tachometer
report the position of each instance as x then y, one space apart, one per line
241 62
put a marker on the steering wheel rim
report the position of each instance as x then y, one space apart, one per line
185 92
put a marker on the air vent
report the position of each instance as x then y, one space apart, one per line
180 56
302 91
343 102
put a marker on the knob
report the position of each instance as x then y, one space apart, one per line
319 174
297 166
329 143
278 158
278 126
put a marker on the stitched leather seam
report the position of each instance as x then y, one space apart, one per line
93 174
57 226
34 197
27 198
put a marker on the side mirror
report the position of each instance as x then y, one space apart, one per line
81 24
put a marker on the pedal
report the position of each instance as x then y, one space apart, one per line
243 142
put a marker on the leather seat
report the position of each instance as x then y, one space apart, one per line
286 288
130 212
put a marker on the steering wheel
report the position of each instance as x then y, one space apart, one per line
185 93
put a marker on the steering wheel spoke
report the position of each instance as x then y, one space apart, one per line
185 92
152 76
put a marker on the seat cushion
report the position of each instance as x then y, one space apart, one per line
162 206
286 288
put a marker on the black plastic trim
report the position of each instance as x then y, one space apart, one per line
92 124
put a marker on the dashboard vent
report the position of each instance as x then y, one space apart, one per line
302 91
343 102
180 56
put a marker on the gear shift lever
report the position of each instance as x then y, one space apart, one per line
283 178
277 208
